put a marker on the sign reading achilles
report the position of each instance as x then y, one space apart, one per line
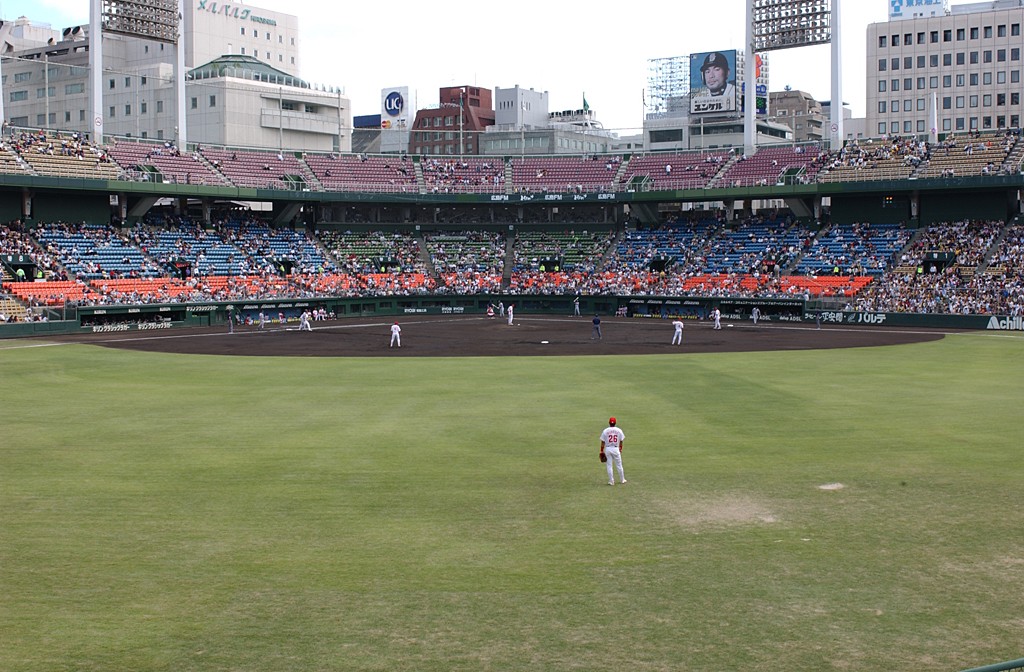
1006 323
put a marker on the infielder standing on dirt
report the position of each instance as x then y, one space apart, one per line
263 320
396 335
510 314
304 321
677 337
754 314
595 332
717 314
612 439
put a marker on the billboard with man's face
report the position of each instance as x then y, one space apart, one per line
713 82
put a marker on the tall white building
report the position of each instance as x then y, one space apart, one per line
953 70
242 86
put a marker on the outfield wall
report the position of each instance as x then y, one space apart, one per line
773 310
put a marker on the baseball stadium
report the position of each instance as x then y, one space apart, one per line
217 456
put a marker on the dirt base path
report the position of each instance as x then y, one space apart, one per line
461 336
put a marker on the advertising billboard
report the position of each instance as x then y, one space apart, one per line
394 107
713 82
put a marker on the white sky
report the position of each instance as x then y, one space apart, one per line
566 49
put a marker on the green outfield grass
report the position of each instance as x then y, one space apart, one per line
173 513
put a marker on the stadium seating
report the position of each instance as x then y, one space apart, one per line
362 172
160 163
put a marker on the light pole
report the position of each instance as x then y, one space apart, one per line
462 94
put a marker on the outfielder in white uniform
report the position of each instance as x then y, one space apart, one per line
510 314
612 439
396 335
677 337
717 314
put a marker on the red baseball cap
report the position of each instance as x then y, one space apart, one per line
611 421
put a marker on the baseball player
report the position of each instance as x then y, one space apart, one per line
396 335
231 322
263 320
501 308
754 314
612 439
304 321
576 307
717 314
595 332
677 337
509 314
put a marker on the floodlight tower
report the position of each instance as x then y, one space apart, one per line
786 24
158 20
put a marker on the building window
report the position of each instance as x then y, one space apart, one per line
1015 30
128 110
242 51
881 107
1014 121
986 78
1014 76
159 106
908 83
933 60
987 56
947 102
127 82
920 37
23 77
959 123
243 30
908 126
111 85
881 128
974 58
908 105
974 33
920 82
947 124
988 32
920 61
973 79
142 108
111 115
894 85
894 127
960 100
18 95
908 62
933 82
142 81
920 104
920 125
213 101
1015 54
1001 77
1001 55
194 103
973 101
961 35
960 58
895 64
947 81
881 65
908 39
